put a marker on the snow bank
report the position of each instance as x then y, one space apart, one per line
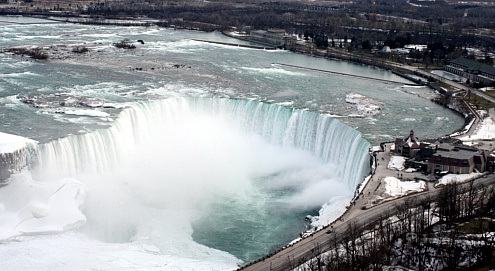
29 207
457 178
484 130
396 162
11 143
397 188
366 107
330 212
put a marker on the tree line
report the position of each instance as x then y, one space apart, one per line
369 23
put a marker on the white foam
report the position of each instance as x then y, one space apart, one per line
17 74
273 70
85 112
365 106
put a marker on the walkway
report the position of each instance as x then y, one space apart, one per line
346 74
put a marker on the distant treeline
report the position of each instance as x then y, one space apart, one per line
368 23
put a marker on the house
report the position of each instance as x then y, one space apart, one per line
275 37
409 146
474 71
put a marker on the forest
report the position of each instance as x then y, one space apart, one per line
370 24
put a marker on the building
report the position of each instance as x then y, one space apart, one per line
274 37
409 146
474 71
458 161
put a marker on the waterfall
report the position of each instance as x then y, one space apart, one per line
103 149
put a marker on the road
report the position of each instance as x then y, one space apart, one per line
322 241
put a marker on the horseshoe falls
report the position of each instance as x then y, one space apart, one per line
258 165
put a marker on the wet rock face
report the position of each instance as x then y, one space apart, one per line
8 164
4 174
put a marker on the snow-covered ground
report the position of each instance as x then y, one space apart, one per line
485 130
457 178
75 251
396 162
448 75
487 89
397 188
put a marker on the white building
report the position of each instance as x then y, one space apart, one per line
474 71
275 37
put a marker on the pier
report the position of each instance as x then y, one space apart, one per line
239 45
345 74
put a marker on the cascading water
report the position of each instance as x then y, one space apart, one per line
165 165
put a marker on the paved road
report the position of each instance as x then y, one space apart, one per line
322 241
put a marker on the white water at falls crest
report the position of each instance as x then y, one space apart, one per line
102 150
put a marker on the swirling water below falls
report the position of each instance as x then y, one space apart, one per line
175 180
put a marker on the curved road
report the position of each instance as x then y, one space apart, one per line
322 241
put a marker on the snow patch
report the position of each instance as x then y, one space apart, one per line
397 188
330 211
396 162
484 130
457 178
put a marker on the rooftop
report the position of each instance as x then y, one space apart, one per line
473 65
